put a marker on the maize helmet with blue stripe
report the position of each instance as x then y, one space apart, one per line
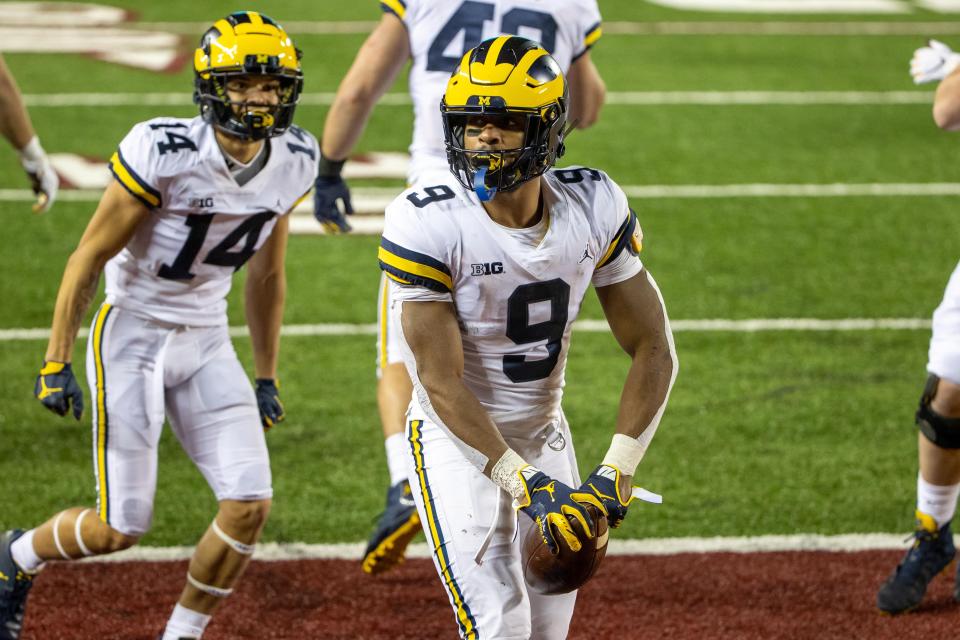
246 43
505 76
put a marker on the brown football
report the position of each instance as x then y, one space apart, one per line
562 573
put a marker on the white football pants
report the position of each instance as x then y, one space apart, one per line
139 371
458 506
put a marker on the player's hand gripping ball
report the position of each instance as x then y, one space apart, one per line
551 574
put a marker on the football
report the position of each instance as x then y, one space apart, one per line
562 573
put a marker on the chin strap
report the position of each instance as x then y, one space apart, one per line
480 186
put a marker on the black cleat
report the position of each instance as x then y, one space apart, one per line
930 554
396 527
14 586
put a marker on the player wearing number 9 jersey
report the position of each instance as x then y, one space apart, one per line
488 269
432 35
192 201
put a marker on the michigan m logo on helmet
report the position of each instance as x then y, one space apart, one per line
505 76
246 43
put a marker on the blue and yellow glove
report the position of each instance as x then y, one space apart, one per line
551 504
328 189
604 483
268 401
56 388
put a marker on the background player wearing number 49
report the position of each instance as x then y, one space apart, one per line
430 33
192 202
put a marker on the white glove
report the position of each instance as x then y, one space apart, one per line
933 62
43 178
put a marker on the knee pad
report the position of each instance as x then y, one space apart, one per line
942 431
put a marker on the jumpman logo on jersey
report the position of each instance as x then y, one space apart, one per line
586 254
550 488
46 391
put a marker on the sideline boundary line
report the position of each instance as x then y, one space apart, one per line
273 551
586 326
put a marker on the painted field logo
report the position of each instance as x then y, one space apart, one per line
486 268
94 30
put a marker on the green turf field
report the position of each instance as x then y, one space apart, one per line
773 432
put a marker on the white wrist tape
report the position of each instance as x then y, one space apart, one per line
625 453
33 152
506 474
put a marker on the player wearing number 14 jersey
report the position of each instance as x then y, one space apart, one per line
192 201
488 270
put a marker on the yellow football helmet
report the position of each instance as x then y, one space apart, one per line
246 43
506 75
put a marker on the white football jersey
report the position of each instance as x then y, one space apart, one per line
178 266
441 31
515 300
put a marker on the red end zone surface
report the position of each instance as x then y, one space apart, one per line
727 596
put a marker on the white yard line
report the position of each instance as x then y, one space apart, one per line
586 326
652 547
652 191
626 98
699 28
782 28
370 202
761 190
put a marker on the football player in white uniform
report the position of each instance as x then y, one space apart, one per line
433 34
938 416
193 200
489 268
16 127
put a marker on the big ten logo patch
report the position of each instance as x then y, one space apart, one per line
486 268
201 203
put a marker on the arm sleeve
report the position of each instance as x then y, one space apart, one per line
134 166
410 258
591 28
623 243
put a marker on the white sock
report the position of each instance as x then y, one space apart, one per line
936 501
24 554
184 623
397 454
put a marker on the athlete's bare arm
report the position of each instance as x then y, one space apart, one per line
946 103
636 317
15 123
265 292
373 71
116 219
433 335
587 92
